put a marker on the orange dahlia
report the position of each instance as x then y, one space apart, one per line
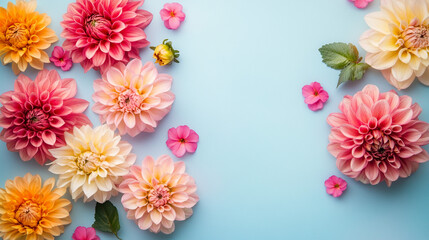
30 211
24 35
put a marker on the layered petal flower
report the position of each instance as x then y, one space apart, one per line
378 136
101 33
24 36
32 210
398 41
35 115
133 98
158 193
92 163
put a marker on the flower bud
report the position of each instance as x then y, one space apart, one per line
165 54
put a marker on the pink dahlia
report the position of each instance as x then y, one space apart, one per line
133 98
378 136
158 193
100 33
36 114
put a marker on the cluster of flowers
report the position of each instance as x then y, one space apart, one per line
43 120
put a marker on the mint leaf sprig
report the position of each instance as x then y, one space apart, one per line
344 57
107 218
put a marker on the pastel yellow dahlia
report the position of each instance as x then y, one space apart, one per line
24 35
92 163
32 211
398 41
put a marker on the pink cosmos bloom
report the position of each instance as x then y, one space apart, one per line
361 3
133 98
335 186
172 15
83 233
378 136
158 193
100 33
181 140
61 58
314 96
36 114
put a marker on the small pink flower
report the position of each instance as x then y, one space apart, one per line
172 15
83 233
181 140
335 186
315 96
61 58
361 3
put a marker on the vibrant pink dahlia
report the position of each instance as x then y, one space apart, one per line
378 136
133 98
100 33
158 193
36 114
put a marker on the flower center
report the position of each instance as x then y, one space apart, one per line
97 27
416 37
182 140
36 119
337 185
130 101
159 195
380 146
17 34
172 14
88 162
29 214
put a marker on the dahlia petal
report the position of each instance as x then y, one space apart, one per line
91 50
349 131
420 158
49 137
77 180
118 26
401 71
116 52
156 216
104 46
21 143
89 188
380 109
391 174
143 18
116 37
382 60
145 222
130 120
99 58
77 105
402 116
378 21
133 34
358 164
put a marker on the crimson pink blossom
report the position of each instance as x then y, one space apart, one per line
35 115
172 15
61 58
314 96
181 140
378 136
83 233
361 3
335 186
100 33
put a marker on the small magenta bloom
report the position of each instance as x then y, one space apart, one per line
83 233
361 3
314 96
172 15
61 58
181 140
335 186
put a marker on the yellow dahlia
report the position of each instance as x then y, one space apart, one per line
30 211
92 163
398 41
24 35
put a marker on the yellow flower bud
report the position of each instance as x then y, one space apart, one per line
163 54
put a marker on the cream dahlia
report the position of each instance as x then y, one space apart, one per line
133 98
92 162
36 114
32 211
100 33
24 36
398 41
158 193
378 136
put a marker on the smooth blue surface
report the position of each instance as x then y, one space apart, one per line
262 159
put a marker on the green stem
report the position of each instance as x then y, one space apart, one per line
117 236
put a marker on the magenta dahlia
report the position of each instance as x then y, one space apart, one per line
100 33
378 136
36 114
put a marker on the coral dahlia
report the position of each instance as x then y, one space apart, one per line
100 33
133 98
24 35
378 136
32 211
36 114
92 162
158 193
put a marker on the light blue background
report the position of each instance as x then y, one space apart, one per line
262 159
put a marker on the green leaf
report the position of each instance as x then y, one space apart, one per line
153 48
339 55
106 218
353 71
